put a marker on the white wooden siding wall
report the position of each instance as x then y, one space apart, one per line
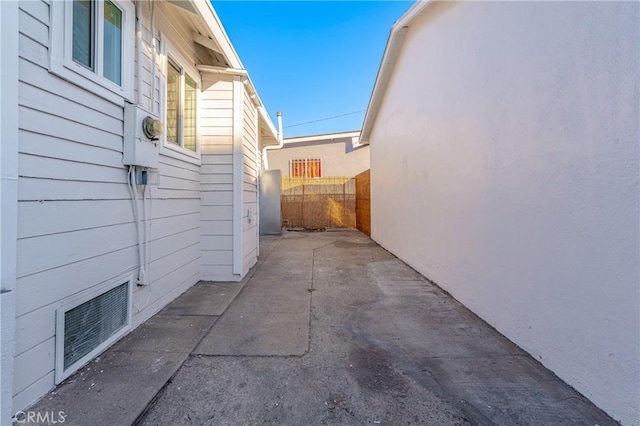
249 183
216 133
175 204
75 227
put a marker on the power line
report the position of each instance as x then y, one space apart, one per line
325 119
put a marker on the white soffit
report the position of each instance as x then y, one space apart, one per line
184 4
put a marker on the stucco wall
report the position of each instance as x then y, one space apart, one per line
508 142
335 161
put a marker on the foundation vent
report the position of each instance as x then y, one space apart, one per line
87 327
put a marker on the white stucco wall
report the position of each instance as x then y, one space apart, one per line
504 167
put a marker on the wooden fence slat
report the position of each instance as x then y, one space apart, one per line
363 202
319 203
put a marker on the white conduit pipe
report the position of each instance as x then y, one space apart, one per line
146 232
133 191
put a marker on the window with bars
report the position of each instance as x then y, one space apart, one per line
309 168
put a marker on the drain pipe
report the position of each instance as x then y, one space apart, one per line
138 51
265 161
153 58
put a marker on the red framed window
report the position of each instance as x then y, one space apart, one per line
309 168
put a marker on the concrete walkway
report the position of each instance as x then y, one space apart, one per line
329 329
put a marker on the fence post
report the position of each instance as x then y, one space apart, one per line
344 202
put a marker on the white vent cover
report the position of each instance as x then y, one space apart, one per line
88 325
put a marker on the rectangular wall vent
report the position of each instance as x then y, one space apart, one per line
87 326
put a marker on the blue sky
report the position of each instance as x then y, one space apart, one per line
311 60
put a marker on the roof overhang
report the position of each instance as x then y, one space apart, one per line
217 39
392 50
351 140
327 137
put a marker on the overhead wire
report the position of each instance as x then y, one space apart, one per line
324 119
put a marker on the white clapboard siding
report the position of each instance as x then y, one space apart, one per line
61 128
52 168
43 100
164 291
220 159
34 328
179 172
174 207
218 271
72 216
39 76
216 228
51 286
250 189
34 364
170 244
163 266
217 198
25 397
215 241
76 229
51 147
216 178
38 10
37 254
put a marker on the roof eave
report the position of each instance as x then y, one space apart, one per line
389 58
323 137
205 10
270 133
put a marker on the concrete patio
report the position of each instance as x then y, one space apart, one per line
329 328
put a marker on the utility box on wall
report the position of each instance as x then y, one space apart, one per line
141 132
270 209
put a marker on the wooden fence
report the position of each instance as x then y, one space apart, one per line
363 202
318 203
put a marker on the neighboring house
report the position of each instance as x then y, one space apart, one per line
78 78
504 167
327 155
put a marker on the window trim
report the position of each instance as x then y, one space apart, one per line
61 60
178 151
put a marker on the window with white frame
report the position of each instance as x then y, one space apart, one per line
93 44
181 107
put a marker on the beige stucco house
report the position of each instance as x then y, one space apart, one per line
325 155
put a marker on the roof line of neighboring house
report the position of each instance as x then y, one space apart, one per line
323 137
391 52
210 17
351 140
